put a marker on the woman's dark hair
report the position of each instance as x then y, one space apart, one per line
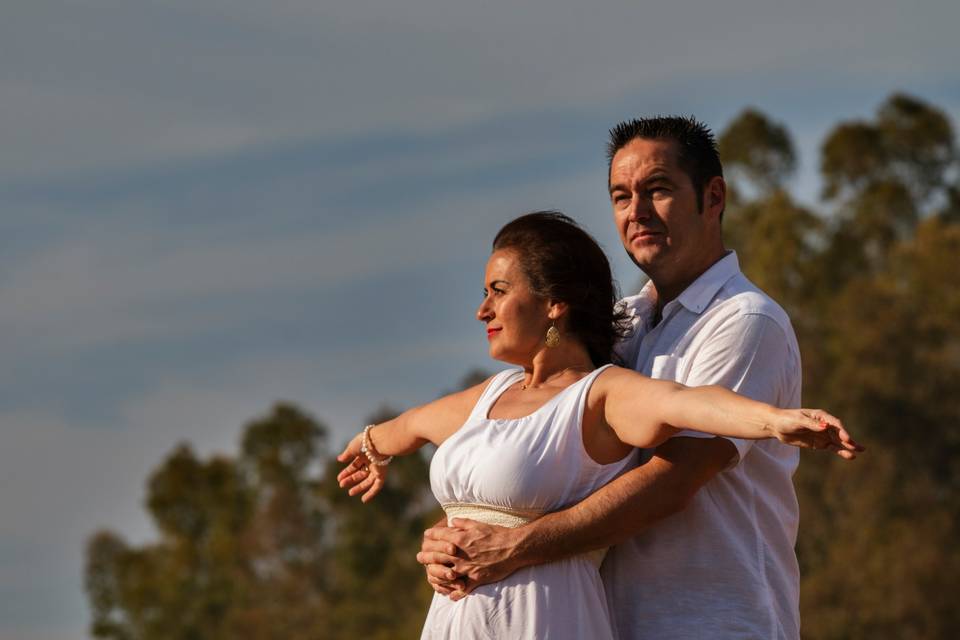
563 262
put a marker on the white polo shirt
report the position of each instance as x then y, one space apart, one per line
725 566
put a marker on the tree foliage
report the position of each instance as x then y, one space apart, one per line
870 282
266 546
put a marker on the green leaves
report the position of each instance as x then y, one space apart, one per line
266 546
757 149
870 283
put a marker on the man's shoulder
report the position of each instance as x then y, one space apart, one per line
740 300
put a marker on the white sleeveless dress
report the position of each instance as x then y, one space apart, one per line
532 464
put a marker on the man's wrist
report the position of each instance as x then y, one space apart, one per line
522 544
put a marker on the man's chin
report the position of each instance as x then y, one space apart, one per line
646 258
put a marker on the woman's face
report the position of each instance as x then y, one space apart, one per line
516 319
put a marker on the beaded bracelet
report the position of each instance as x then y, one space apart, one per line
366 448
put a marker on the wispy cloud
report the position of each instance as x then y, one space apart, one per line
110 83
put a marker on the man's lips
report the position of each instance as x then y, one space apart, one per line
645 234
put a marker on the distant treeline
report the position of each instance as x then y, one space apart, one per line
264 545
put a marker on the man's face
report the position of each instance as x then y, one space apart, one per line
655 208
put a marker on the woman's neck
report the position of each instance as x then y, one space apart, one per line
552 366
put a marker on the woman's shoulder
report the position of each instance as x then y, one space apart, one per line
473 392
611 378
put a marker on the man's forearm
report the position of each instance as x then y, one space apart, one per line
627 506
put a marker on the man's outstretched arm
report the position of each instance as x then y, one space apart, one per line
479 553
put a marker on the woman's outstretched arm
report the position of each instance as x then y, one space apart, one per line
644 412
433 422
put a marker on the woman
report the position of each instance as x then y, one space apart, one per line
537 439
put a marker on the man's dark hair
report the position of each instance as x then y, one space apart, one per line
696 145
563 262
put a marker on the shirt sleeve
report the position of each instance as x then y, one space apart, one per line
752 355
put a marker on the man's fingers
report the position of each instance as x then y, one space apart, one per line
445 547
453 532
447 585
443 579
436 558
464 591
441 573
442 534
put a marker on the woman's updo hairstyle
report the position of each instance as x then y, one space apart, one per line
563 262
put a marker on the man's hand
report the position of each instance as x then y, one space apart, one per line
467 554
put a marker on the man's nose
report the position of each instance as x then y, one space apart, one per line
640 209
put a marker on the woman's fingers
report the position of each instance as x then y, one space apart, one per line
353 473
829 433
361 486
374 489
837 432
352 449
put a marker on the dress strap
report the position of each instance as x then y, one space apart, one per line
584 391
575 405
497 385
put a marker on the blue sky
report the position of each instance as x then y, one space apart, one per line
212 205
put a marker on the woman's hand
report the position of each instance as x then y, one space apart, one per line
360 476
814 429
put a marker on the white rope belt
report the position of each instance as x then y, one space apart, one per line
506 517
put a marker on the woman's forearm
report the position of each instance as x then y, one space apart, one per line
397 437
714 409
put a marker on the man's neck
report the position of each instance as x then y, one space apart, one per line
668 289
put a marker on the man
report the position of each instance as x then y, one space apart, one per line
705 529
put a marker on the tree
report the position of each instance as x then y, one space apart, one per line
239 550
870 284
759 150
266 546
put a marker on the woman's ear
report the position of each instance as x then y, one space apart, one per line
557 309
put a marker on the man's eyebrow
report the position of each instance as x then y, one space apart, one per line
495 282
660 176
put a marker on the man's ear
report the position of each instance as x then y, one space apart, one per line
714 197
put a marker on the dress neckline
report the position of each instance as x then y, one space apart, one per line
553 399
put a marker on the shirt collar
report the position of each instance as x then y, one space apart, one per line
701 291
696 297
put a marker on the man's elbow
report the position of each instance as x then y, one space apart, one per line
678 500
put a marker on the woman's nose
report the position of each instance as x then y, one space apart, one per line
483 311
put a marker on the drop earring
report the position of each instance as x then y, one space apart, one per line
553 336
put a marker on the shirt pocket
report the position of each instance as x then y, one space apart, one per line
669 368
